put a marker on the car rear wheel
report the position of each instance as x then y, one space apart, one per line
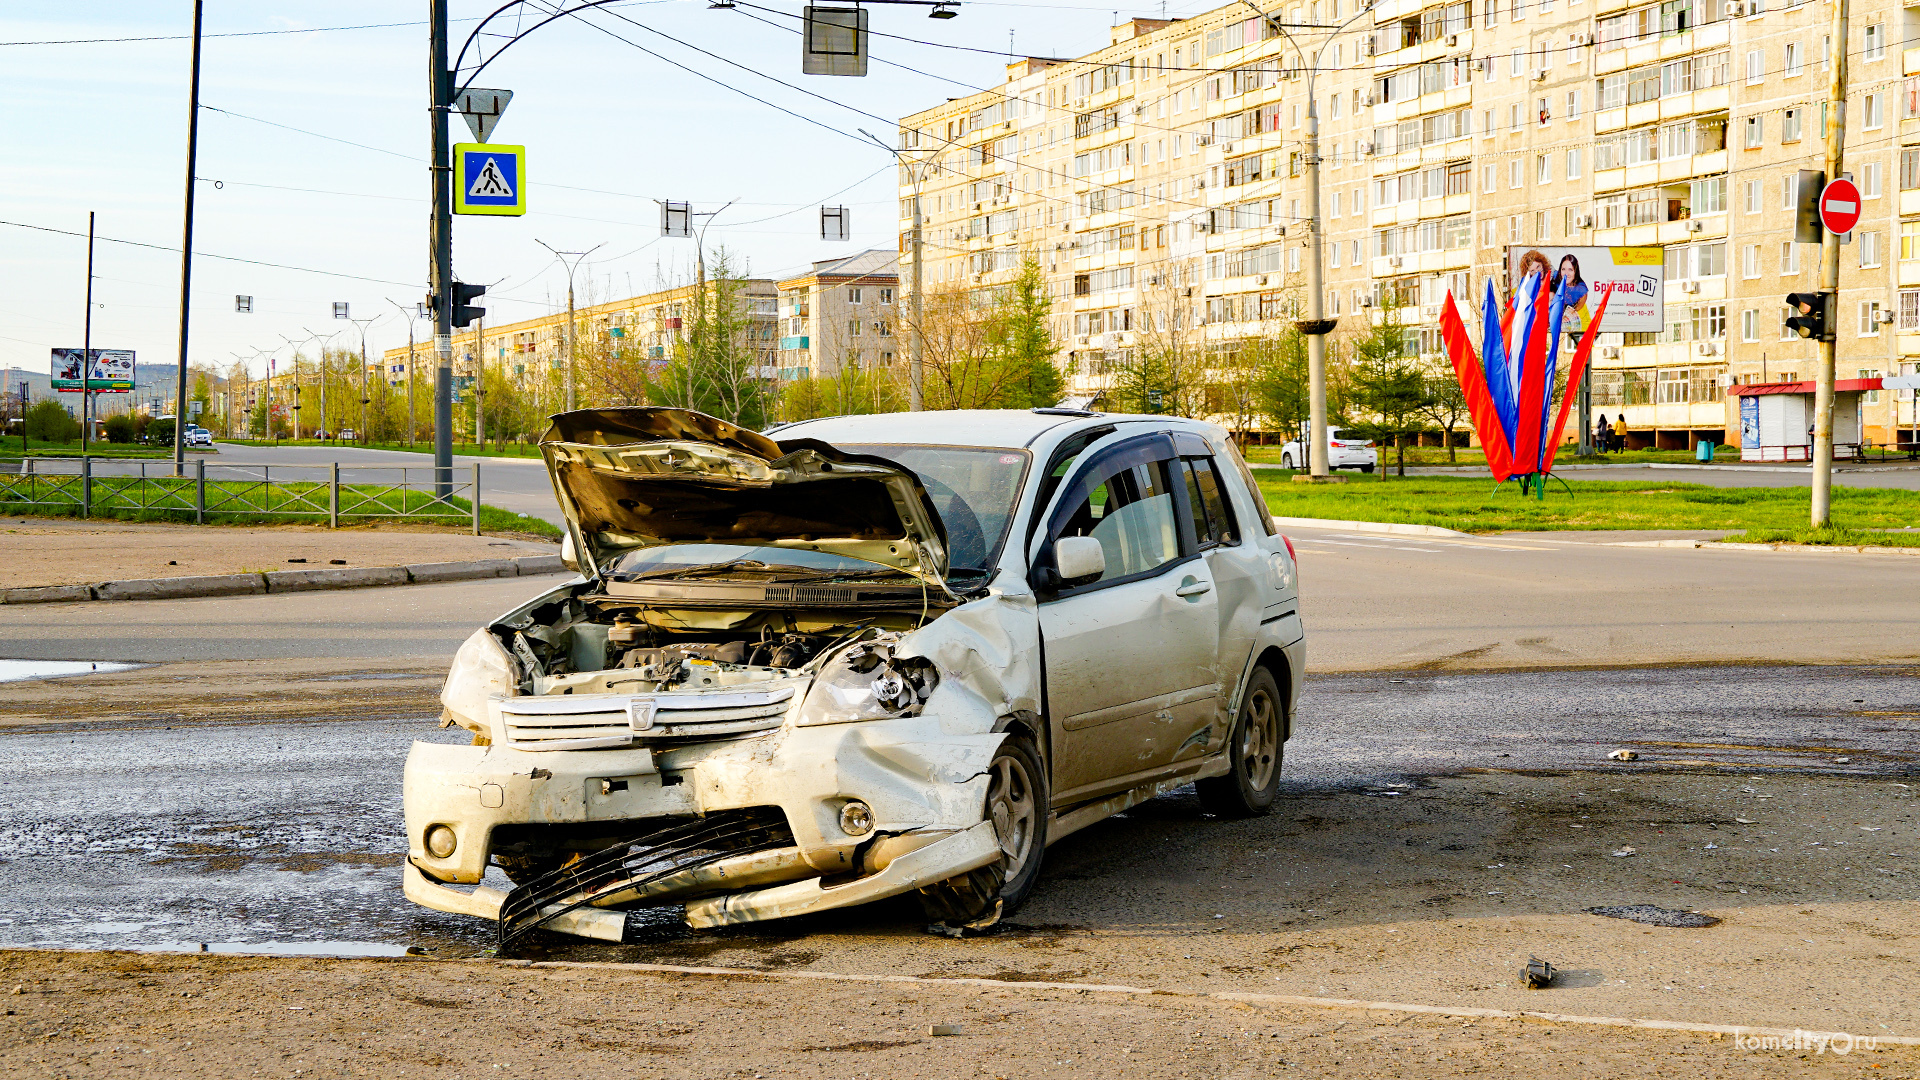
1254 749
1286 461
1017 806
1366 468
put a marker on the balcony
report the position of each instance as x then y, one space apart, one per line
790 343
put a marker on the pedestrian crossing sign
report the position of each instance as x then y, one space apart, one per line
489 178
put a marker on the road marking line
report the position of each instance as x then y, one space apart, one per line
1217 995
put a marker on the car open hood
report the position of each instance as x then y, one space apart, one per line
635 477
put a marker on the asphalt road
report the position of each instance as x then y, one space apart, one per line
1878 476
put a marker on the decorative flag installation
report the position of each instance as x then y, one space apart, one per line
1509 386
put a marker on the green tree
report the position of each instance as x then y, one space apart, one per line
49 421
1446 404
1281 383
716 369
850 391
120 428
1020 336
1386 384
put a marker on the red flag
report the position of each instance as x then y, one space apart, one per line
1533 372
1473 382
1574 371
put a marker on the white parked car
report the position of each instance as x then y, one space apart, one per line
198 436
880 655
1342 453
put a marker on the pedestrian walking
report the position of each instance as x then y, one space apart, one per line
1602 434
1620 432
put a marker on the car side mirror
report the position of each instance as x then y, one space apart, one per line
1080 559
569 557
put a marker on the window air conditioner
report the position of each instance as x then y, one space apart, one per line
1263 279
1609 352
1431 311
1482 64
1695 226
1227 148
1366 301
1885 316
1081 340
1452 40
1393 260
1735 10
1579 39
875 324
1539 74
1365 148
1689 286
1203 140
1705 348
1154 280
1369 99
1584 221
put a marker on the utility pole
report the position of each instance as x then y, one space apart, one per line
186 252
86 350
363 324
479 380
572 327
1316 326
409 317
440 236
1830 277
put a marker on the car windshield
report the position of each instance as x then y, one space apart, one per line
973 488
749 560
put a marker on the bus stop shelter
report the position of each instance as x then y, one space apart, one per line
1776 419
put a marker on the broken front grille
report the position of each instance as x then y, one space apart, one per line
601 721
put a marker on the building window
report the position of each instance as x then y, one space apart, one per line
1753 196
1573 104
1869 249
853 294
853 327
1796 60
1786 193
1790 126
1756 131
1789 258
1513 229
1750 261
1750 325
1870 180
1873 111
1910 309
1876 42
1573 164
1909 169
1756 66
1489 235
1869 321
1541 228
1514 177
1909 240
886 296
1871 397
1543 169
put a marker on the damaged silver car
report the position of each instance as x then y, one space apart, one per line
875 655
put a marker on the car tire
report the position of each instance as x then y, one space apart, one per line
1017 800
1255 754
1286 461
1366 468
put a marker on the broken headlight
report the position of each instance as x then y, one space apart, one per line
481 669
867 682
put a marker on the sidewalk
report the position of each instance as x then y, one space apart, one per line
44 560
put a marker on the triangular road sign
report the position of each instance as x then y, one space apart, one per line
491 183
482 108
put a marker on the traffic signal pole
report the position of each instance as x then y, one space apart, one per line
440 239
1822 509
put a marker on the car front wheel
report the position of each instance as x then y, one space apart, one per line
1254 750
1017 805
1286 461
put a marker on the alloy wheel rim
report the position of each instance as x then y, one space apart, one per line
1258 738
1010 807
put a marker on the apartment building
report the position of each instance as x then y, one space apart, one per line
843 313
533 351
1159 181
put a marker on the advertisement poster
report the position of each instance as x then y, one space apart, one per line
112 371
1635 277
1749 422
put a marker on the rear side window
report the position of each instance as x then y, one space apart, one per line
1130 511
1253 490
1212 520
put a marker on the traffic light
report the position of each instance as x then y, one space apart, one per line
1810 315
463 297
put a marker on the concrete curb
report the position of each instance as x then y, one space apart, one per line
287 581
1394 527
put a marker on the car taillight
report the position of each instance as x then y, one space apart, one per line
1287 540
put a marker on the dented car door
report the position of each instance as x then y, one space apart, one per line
1132 672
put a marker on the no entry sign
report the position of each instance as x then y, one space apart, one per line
1840 206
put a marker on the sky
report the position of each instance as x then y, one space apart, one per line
101 126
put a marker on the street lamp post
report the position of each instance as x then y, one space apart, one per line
310 339
572 329
419 312
1316 326
916 400
363 325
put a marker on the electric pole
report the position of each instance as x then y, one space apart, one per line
1830 277
418 312
440 237
572 327
186 252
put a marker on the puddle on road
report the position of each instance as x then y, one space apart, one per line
18 670
345 949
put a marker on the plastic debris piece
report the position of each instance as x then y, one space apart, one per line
1537 974
1625 755
1744 821
1653 915
943 1029
1623 853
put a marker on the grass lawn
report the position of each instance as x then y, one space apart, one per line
459 449
252 503
1472 505
1837 537
10 448
1465 456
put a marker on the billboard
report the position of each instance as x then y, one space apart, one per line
112 371
1635 276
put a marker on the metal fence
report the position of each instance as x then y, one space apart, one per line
88 485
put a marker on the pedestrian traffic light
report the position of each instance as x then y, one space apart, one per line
463 297
1810 315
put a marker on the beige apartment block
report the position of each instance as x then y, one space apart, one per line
1159 181
646 327
843 313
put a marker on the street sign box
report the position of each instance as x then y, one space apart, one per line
489 178
1840 206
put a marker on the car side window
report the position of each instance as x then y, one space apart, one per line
1212 520
1131 512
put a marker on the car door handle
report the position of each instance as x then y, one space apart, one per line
1194 588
